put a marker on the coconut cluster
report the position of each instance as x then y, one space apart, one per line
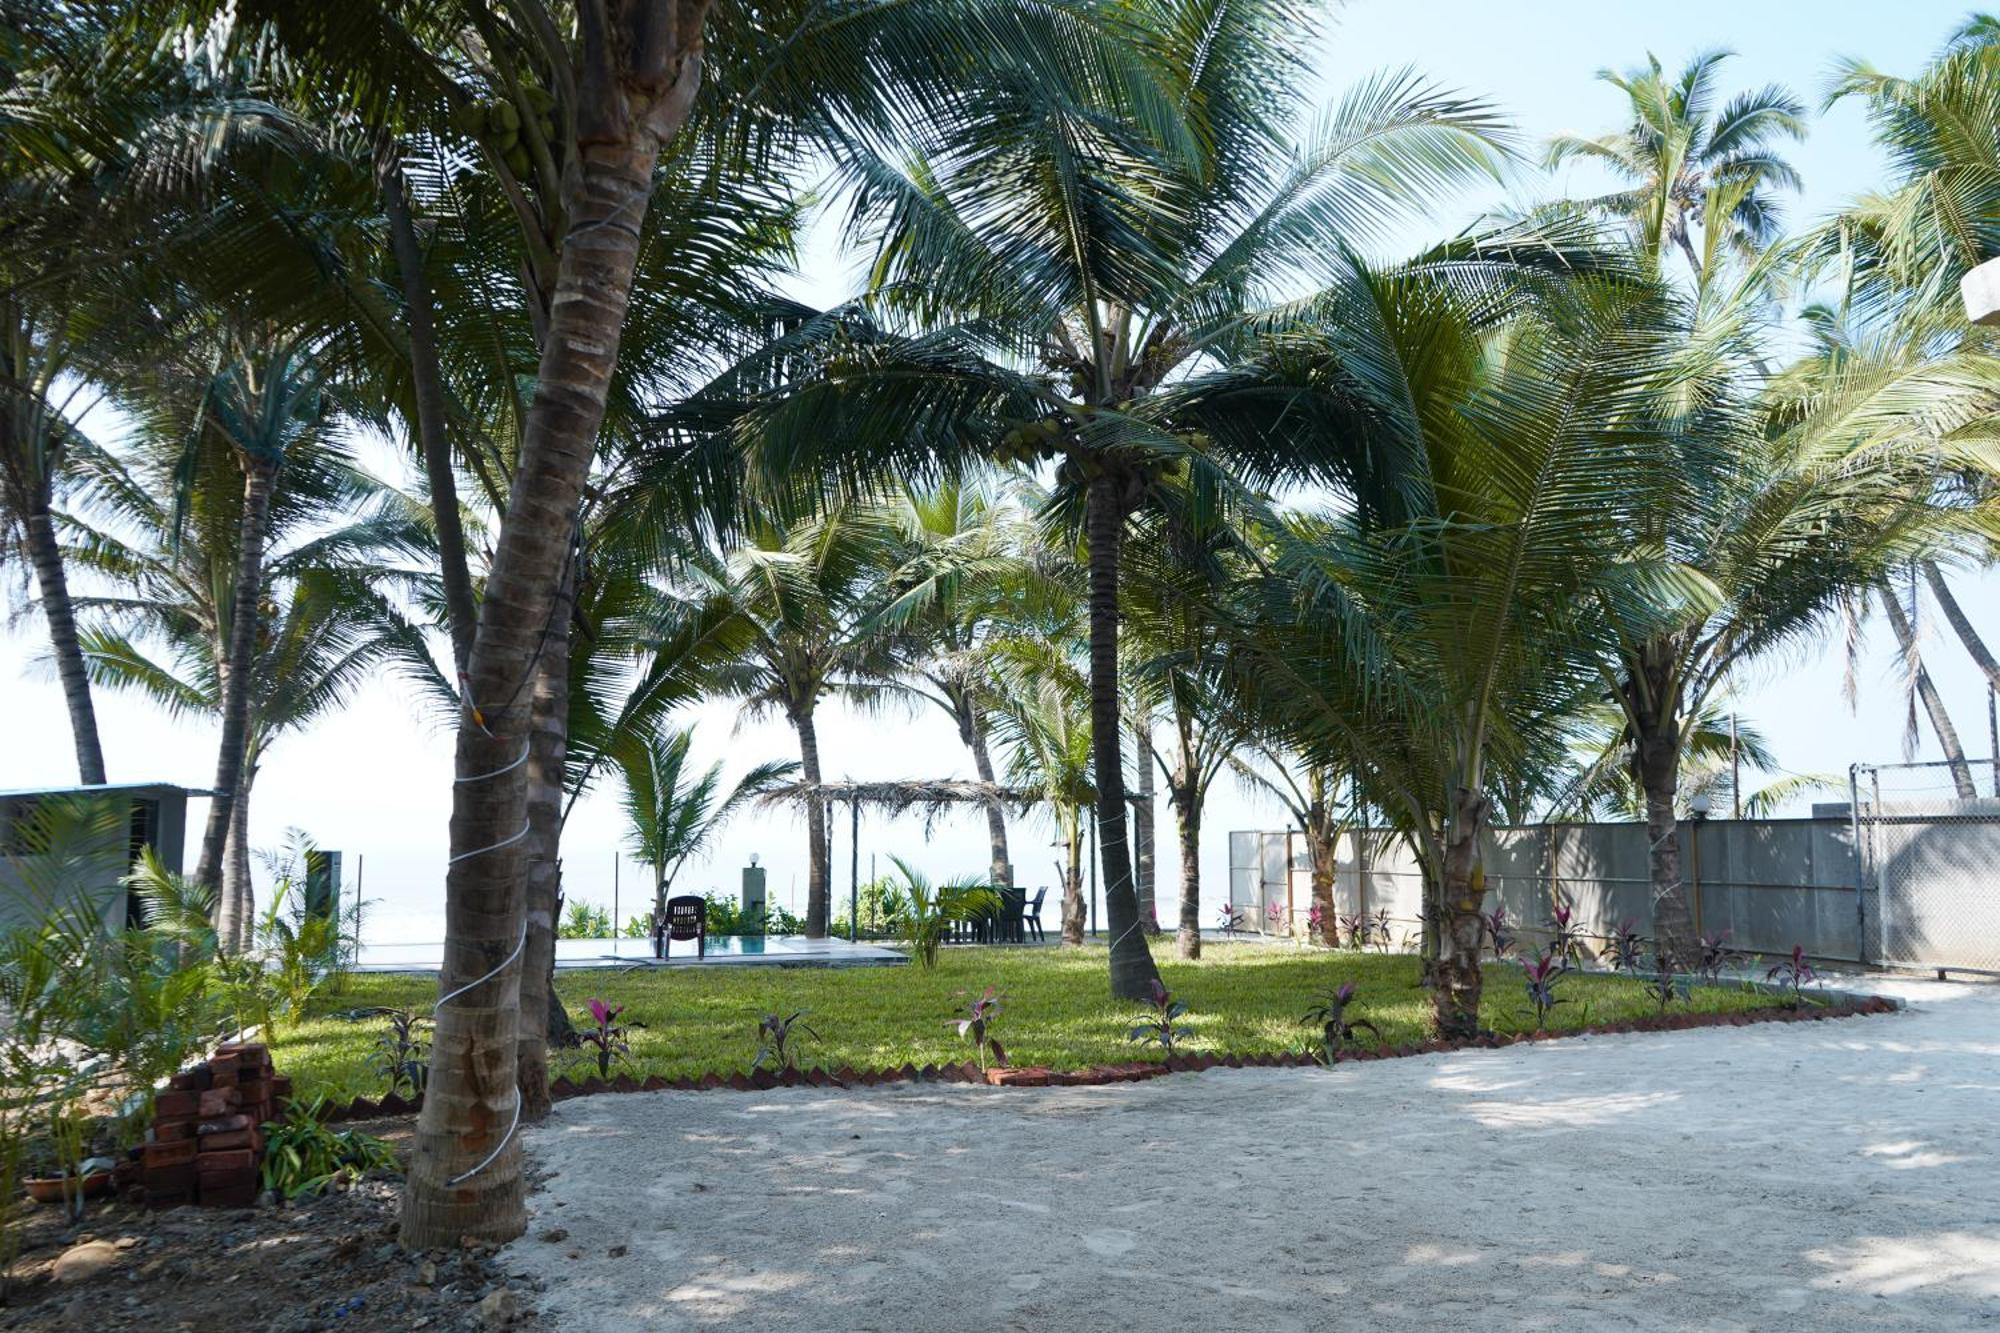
498 124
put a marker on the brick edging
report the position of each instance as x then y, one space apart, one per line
562 1089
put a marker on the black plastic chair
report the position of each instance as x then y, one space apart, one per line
1031 915
687 919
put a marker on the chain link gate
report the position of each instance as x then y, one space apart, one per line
1928 851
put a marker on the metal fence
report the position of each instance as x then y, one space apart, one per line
1929 847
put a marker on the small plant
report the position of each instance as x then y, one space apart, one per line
401 1055
1544 971
1714 958
778 1039
928 912
1625 949
585 921
1793 973
1380 929
1354 929
1161 1020
69 1137
1274 917
1499 933
1232 919
608 1039
1565 940
1335 1028
1664 985
1315 921
976 1026
302 1156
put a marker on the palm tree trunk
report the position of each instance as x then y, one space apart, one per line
1322 844
260 476
427 386
1072 904
1941 724
817 869
1132 972
1454 977
972 730
45 553
1143 868
1658 763
548 745
464 1175
237 885
1187 824
1961 626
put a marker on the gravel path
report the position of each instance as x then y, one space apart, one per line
1840 1175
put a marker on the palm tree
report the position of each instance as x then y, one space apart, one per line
807 594
1439 631
1907 249
964 572
1184 658
1042 725
1704 178
1074 249
323 623
672 813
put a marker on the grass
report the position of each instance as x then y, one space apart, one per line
1243 999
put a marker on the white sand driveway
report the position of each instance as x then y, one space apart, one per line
1839 1175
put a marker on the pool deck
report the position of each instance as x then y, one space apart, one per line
723 951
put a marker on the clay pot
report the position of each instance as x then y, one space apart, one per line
49 1189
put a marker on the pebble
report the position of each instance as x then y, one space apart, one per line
498 1309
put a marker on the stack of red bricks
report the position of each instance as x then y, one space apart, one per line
205 1146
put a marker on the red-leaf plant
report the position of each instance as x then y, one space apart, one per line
606 1036
977 1025
1336 1029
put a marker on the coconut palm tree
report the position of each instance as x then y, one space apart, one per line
1044 728
671 812
332 540
1704 178
808 594
1074 249
1440 630
964 573
1183 654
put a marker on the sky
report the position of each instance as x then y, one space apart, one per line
375 780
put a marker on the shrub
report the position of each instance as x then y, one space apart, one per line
1664 986
930 911
1543 972
1499 934
1231 919
302 1156
584 921
976 1026
400 1055
777 1038
1714 958
1161 1020
1625 949
1794 974
1382 929
606 1036
1336 1030
1355 930
1565 940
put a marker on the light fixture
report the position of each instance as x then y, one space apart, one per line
1698 805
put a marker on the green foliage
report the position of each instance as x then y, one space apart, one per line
929 911
883 909
584 921
303 1156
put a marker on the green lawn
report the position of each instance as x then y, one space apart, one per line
1243 999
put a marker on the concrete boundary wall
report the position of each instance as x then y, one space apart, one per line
1770 883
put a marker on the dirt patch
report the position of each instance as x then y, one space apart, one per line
319 1264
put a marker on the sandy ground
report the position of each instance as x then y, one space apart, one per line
1841 1175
